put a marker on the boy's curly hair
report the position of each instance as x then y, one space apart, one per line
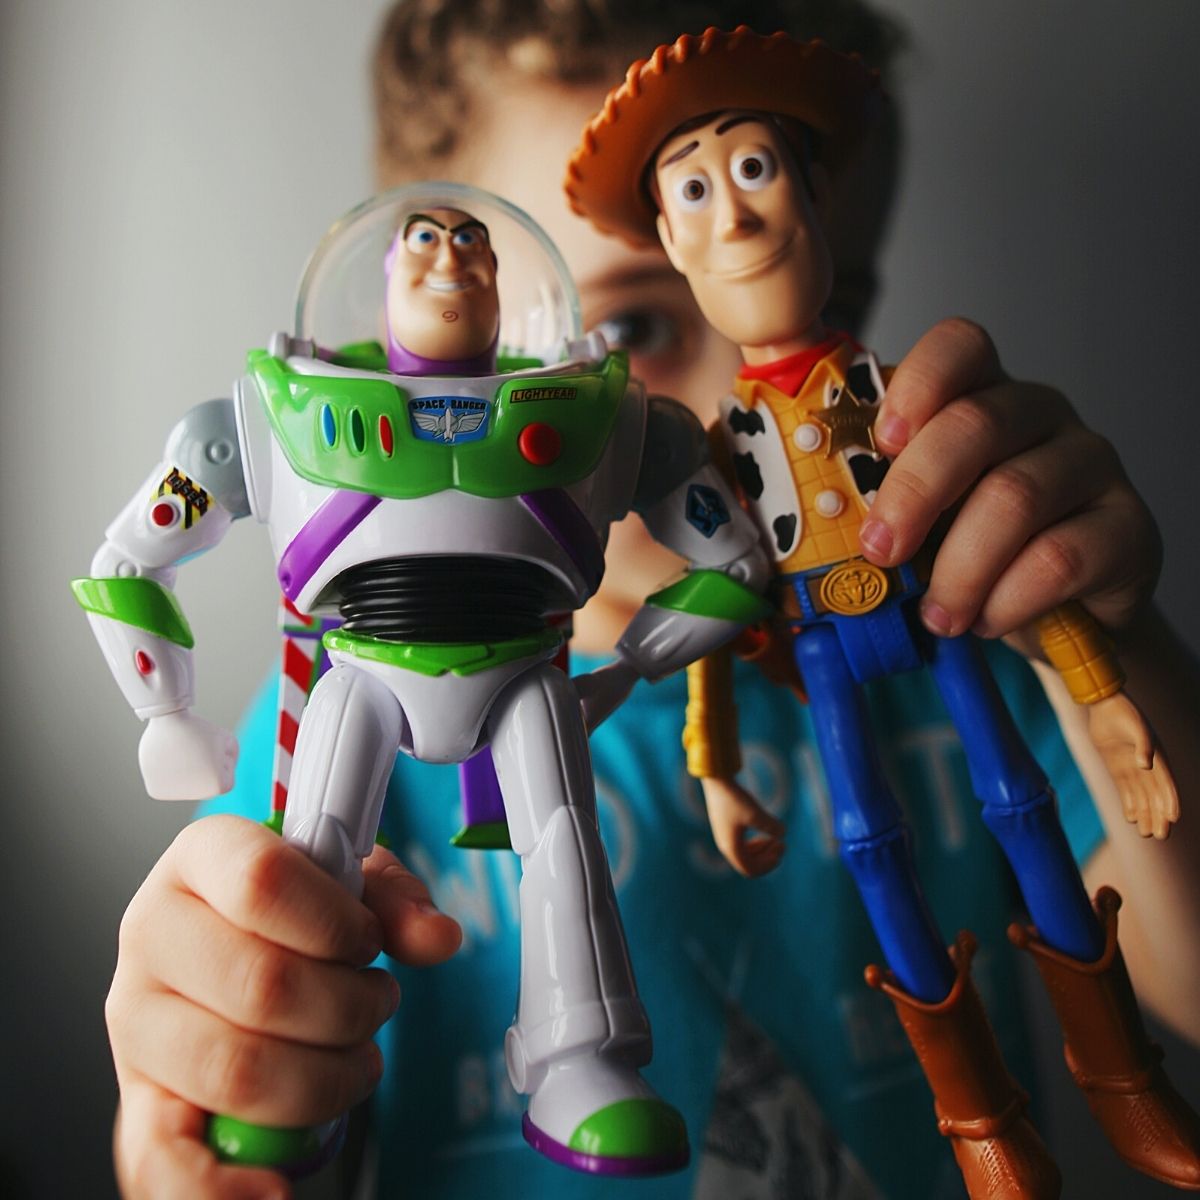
430 53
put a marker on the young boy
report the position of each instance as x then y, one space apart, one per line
233 990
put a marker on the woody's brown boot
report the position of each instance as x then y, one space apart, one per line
1145 1119
979 1107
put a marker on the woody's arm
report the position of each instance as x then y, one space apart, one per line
1084 657
1159 881
746 834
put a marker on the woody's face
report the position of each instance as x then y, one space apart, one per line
442 301
736 219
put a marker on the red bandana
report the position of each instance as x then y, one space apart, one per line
788 374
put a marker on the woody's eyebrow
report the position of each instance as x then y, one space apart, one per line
413 218
683 152
741 119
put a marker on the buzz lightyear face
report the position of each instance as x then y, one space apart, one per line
442 301
737 219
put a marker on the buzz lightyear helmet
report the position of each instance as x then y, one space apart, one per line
341 296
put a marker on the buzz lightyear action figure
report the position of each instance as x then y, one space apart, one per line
710 146
443 508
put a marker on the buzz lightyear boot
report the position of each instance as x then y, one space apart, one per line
295 1152
580 1033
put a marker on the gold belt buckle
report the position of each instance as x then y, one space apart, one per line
854 588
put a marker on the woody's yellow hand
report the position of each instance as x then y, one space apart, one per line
1136 763
746 834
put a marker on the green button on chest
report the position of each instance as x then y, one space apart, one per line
369 434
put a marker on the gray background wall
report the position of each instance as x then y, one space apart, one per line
152 220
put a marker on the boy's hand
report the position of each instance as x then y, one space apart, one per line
243 987
734 815
1047 513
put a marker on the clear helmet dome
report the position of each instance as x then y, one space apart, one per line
341 297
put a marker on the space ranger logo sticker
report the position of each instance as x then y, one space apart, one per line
195 500
705 509
449 418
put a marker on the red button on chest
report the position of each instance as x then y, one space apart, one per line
540 444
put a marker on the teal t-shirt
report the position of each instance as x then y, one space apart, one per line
794 1077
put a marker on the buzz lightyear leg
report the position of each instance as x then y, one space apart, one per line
345 749
580 1032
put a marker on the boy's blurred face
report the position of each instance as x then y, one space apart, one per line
519 149
517 146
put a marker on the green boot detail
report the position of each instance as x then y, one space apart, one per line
632 1129
295 1151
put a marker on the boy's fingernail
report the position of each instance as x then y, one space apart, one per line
371 944
936 619
393 1000
876 537
427 908
373 1063
893 431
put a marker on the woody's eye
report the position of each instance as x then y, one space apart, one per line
753 170
693 191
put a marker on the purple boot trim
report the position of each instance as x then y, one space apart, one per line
593 1164
320 536
482 803
564 521
326 1154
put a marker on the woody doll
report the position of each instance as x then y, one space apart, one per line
722 148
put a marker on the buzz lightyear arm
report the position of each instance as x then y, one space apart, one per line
688 507
185 506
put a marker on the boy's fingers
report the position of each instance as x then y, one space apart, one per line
1007 508
160 1153
258 985
1093 555
955 358
220 1068
946 457
260 884
415 932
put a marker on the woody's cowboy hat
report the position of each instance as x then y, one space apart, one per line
834 94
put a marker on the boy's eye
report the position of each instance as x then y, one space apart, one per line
643 332
693 192
421 238
753 170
